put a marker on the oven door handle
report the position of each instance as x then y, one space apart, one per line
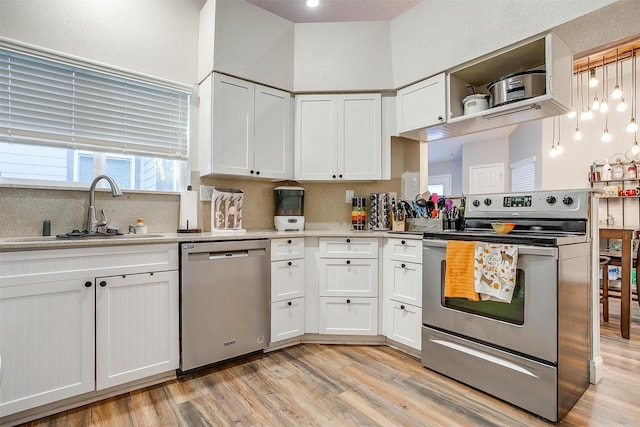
522 249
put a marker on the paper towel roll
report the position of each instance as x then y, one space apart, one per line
188 210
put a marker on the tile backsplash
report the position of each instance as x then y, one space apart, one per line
23 210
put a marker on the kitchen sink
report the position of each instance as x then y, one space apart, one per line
36 239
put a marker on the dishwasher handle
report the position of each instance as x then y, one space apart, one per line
236 254
228 254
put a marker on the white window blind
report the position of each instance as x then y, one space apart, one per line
45 102
523 175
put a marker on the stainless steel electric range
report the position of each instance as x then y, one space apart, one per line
533 351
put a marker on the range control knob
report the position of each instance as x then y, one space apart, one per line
568 200
551 199
487 201
476 203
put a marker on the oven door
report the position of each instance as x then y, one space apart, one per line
527 325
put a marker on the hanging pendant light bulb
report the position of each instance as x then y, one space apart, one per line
632 127
635 148
571 114
606 136
604 107
559 148
578 135
553 152
595 106
588 115
617 92
622 106
593 80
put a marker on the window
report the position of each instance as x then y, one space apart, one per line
523 175
69 122
439 184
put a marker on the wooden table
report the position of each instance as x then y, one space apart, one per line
626 235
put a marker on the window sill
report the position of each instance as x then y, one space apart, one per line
68 186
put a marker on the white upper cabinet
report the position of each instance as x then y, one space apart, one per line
245 129
420 105
338 137
546 53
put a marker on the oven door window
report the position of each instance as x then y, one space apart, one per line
507 312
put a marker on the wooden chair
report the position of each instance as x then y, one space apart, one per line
606 291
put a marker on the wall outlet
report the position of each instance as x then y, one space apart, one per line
206 193
348 196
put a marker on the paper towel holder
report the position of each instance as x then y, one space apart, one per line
189 230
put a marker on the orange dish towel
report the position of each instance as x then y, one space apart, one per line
459 279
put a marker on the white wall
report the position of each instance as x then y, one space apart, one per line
253 44
449 168
436 35
158 38
525 142
343 56
485 152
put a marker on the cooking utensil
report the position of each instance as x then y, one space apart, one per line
517 86
475 103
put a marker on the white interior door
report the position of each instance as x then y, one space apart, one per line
486 178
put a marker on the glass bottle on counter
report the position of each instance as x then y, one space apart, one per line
141 227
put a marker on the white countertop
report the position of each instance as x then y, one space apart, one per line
52 242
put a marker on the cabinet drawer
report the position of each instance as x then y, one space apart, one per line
403 323
287 279
287 248
405 250
353 277
348 316
287 319
404 282
353 247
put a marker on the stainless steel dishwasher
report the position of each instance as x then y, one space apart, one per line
224 300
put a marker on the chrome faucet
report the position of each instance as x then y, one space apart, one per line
92 222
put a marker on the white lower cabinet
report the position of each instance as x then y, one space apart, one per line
348 316
287 288
348 286
403 323
402 289
287 319
136 327
60 331
46 339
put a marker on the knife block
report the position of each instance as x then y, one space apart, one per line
398 225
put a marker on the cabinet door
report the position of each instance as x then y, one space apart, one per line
359 136
46 341
316 137
354 277
421 104
404 250
348 316
273 145
352 247
287 279
136 327
285 249
403 323
232 121
287 319
403 282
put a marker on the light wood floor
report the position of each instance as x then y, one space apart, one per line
337 385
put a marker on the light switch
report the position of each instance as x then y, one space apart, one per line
349 196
